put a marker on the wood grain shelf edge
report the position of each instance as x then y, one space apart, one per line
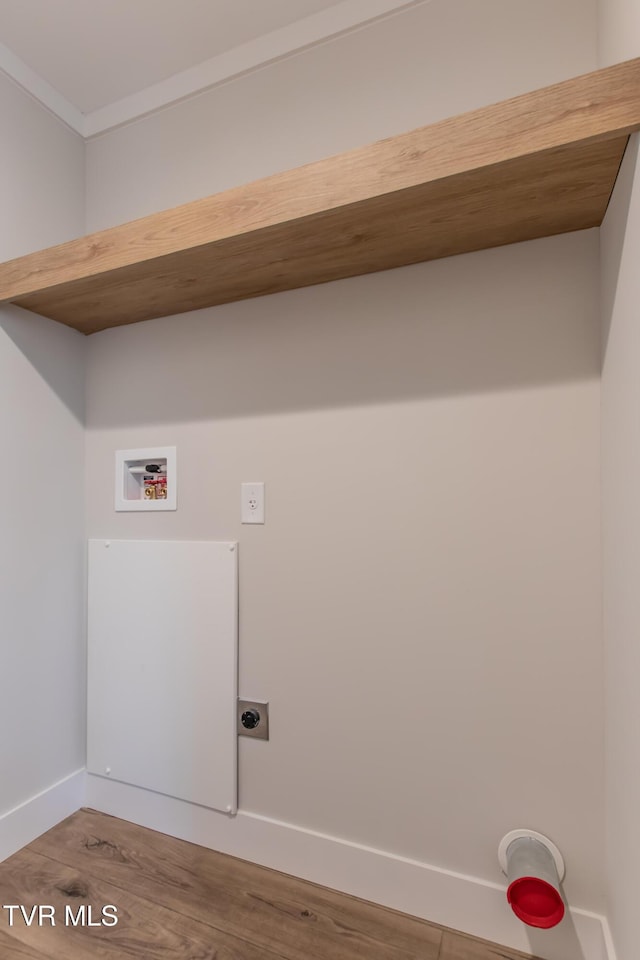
532 166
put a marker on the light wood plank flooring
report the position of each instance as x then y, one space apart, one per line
178 901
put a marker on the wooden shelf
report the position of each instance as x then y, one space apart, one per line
540 164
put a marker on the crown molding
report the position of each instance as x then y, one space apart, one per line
341 18
38 88
344 17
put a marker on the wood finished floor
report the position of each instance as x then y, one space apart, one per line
183 902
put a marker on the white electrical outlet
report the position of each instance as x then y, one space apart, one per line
252 502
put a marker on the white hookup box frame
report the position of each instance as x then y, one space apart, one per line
130 478
162 667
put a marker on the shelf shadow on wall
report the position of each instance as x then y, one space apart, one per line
615 229
518 316
56 353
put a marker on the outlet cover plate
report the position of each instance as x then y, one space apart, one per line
252 502
261 731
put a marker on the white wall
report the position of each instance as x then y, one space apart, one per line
430 62
42 495
620 241
430 442
618 31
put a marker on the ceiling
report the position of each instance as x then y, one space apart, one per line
95 53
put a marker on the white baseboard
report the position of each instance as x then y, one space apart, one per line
18 827
454 900
464 903
609 950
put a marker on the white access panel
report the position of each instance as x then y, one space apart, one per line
162 672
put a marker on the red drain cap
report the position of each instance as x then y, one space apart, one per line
536 902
